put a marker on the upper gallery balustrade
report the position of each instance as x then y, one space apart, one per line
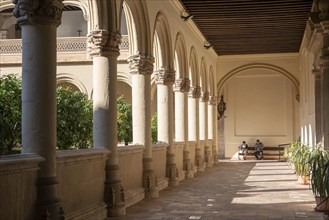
65 45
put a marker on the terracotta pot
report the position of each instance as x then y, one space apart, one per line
303 180
322 204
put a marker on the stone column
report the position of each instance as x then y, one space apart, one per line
141 68
182 86
165 79
104 49
204 127
39 26
318 104
212 121
193 124
324 26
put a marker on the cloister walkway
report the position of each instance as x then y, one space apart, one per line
232 190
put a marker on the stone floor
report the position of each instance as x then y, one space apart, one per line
232 190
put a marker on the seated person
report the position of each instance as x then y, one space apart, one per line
243 150
259 146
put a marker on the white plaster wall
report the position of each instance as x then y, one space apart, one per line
261 102
72 21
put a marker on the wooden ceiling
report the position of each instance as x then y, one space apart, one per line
251 26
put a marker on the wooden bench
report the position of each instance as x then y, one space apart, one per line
269 153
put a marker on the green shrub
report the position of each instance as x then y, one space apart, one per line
11 111
154 128
74 120
124 120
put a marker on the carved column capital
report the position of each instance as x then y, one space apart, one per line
164 76
141 64
195 92
103 43
213 100
316 73
38 12
182 85
204 96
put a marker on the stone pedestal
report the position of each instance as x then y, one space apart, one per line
39 25
103 47
212 121
181 88
141 68
165 79
193 124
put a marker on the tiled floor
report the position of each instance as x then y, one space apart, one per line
232 190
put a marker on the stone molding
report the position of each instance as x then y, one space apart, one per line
38 12
195 92
103 43
324 10
204 96
164 76
182 85
213 100
73 156
141 64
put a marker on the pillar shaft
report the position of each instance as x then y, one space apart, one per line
165 79
181 88
318 104
103 47
203 114
39 95
141 67
204 127
212 120
193 117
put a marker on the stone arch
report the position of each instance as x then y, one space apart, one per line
193 68
162 33
203 75
6 4
80 4
180 57
139 32
105 15
124 86
124 77
294 81
67 78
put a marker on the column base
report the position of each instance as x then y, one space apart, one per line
199 163
172 171
187 165
150 180
114 193
208 157
214 155
150 183
47 205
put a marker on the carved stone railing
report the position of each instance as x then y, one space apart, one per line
64 45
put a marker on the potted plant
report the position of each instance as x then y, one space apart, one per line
299 158
319 168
